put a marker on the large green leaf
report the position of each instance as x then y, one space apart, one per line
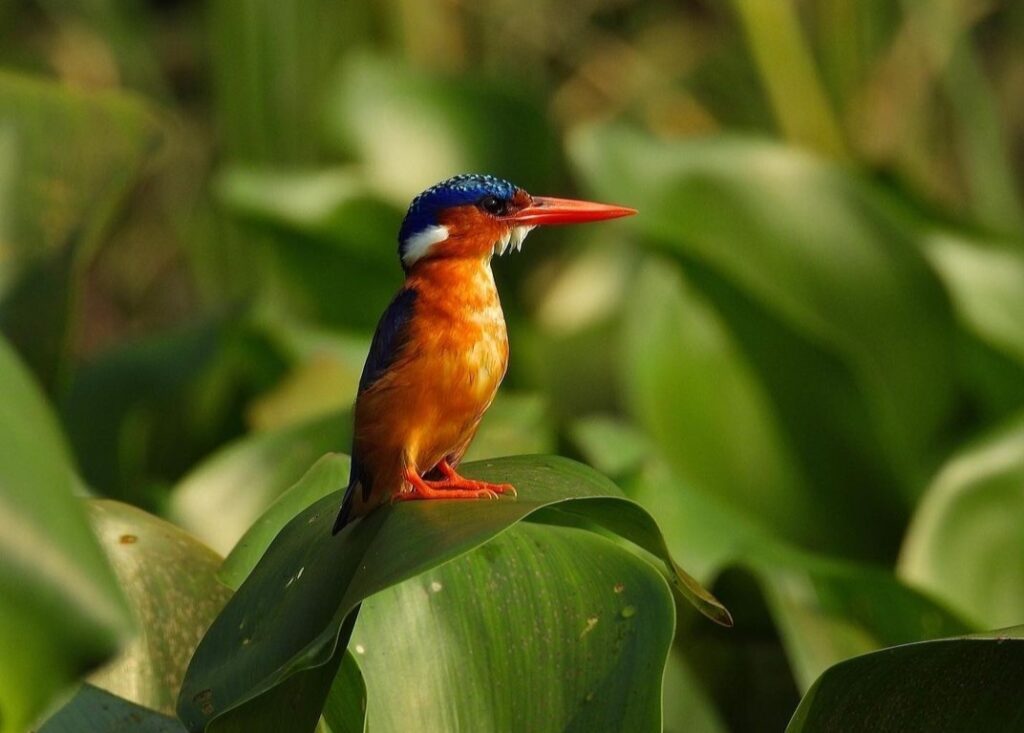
67 159
325 477
825 610
171 584
222 497
497 627
965 542
255 646
695 393
61 613
810 247
944 686
93 710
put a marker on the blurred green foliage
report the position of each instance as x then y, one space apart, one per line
805 357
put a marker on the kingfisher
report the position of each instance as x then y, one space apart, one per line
440 350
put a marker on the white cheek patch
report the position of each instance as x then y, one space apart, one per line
513 239
420 243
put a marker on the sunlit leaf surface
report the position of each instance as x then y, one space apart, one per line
308 573
170 581
559 617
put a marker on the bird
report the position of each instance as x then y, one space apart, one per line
441 349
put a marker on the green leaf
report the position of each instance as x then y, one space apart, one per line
965 542
687 706
93 710
326 476
171 584
514 424
67 159
494 628
145 410
944 686
345 711
410 128
810 246
828 610
984 282
61 613
307 573
222 497
693 390
611 445
825 610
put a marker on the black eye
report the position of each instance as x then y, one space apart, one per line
493 205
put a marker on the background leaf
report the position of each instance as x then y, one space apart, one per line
964 544
946 685
61 613
93 710
172 607
68 158
222 497
810 247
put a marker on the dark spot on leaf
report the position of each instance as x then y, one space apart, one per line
128 539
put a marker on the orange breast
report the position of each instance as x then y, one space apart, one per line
429 405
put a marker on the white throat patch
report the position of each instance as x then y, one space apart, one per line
420 243
512 240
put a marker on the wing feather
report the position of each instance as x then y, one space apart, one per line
389 340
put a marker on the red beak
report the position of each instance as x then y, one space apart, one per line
547 210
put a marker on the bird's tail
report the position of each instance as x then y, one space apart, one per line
345 514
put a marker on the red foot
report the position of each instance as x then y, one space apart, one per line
452 486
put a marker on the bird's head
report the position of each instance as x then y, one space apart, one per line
481 216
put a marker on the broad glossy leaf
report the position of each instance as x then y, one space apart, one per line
965 542
943 686
411 129
307 573
93 710
694 391
171 584
825 610
67 158
542 629
811 247
61 613
222 497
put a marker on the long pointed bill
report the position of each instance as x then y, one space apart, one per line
546 210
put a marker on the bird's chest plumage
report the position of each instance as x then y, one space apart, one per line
462 333
452 366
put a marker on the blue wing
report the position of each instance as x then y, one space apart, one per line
389 339
391 335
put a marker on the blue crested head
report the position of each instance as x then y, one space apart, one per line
470 188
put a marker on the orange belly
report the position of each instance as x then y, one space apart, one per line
429 404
